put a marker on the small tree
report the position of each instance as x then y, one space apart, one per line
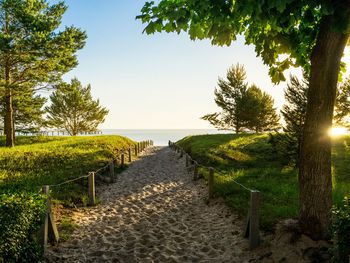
73 109
228 96
259 113
242 107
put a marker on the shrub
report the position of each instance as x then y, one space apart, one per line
21 216
341 232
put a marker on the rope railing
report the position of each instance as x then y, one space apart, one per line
48 231
252 226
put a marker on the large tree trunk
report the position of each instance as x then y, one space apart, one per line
315 180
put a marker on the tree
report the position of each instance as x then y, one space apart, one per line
294 113
259 112
243 108
73 109
311 34
27 111
33 52
228 96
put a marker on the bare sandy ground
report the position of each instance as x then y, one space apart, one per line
156 213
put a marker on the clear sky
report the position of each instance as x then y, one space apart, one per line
154 82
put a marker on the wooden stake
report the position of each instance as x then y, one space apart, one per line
111 171
252 226
210 183
122 158
129 152
91 180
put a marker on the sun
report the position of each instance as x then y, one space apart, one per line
337 131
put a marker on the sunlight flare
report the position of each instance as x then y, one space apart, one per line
337 131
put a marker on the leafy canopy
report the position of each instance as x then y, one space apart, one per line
275 27
73 109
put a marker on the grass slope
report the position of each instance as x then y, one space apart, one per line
250 160
37 161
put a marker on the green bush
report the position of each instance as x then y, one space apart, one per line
341 232
21 216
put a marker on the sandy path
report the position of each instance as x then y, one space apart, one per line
154 213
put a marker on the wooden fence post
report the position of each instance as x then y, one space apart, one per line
136 150
91 181
210 183
252 226
111 171
129 152
48 231
195 171
44 231
138 147
122 159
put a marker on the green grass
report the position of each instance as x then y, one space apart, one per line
250 160
38 161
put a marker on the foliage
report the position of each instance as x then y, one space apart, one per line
20 217
342 105
252 161
243 107
38 161
73 108
229 97
259 112
341 231
27 112
274 27
33 51
294 113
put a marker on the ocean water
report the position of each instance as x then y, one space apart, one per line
160 137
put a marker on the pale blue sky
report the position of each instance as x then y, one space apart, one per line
158 81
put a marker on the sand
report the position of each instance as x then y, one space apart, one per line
155 212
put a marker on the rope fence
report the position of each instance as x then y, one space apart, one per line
251 229
48 231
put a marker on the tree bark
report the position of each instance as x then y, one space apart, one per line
315 179
9 119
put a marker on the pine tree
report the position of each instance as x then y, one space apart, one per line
243 108
33 51
259 112
73 109
27 112
294 113
228 96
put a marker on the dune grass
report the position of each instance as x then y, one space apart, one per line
250 160
38 161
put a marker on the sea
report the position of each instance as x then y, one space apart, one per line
160 137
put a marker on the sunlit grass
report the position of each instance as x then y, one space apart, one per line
251 161
38 161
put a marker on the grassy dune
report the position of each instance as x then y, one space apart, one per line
250 160
37 161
